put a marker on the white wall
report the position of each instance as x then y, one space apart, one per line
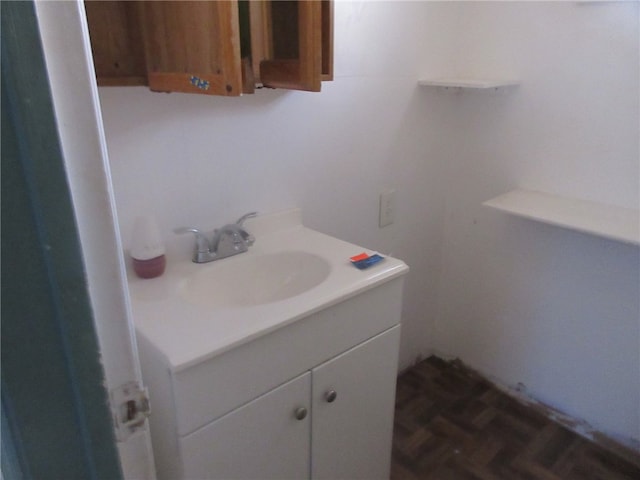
555 310
522 302
204 161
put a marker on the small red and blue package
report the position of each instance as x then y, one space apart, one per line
363 260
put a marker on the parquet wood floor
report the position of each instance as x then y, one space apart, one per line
451 424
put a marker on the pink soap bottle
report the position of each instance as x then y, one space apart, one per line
147 250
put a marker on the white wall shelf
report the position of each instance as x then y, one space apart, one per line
608 221
468 83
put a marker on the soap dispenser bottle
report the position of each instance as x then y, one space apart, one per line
147 250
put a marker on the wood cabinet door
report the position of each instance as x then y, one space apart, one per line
192 46
327 40
293 44
116 43
262 439
352 432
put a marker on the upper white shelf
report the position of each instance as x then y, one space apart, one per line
472 83
608 221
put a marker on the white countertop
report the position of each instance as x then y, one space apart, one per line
187 333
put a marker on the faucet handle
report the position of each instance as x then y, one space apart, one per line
241 220
202 243
248 238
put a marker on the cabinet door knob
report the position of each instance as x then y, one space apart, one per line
331 395
300 413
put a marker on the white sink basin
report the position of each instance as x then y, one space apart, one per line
255 280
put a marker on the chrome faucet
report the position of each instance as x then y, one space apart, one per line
226 241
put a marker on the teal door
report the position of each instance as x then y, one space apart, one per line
56 421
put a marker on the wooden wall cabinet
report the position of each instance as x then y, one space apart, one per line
212 47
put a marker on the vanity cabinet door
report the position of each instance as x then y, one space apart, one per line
267 438
353 406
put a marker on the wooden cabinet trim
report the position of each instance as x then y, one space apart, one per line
327 40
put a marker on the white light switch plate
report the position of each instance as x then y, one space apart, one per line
387 207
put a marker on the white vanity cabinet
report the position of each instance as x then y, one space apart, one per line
234 415
300 386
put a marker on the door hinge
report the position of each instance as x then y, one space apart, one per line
131 408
